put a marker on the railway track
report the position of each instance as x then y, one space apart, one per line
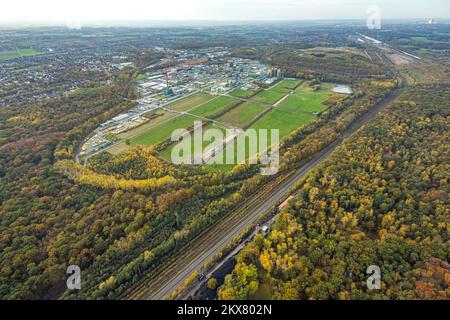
171 275
210 235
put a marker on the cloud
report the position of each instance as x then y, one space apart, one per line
101 10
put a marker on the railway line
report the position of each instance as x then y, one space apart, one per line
211 235
172 274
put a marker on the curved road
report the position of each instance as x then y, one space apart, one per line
171 275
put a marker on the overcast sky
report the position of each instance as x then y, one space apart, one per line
107 10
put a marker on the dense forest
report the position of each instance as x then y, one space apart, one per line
348 65
381 199
120 216
38 205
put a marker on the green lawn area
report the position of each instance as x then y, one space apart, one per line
306 102
283 119
215 106
420 39
240 93
269 96
290 83
292 113
242 115
10 55
286 86
232 148
167 152
140 77
163 131
190 102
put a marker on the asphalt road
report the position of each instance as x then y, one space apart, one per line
206 247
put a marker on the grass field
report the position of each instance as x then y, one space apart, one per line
10 55
215 106
121 147
163 131
199 104
242 115
190 102
285 86
283 119
232 148
160 128
241 93
290 83
140 77
269 96
293 112
181 105
167 152
305 102
296 110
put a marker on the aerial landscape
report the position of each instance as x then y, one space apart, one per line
224 158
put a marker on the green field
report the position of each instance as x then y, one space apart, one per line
290 83
140 77
306 101
200 104
285 86
269 96
240 93
190 102
242 115
420 39
10 55
232 148
167 152
283 119
161 128
293 112
163 131
215 106
207 110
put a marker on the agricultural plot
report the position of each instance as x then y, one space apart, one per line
240 93
286 86
190 102
269 96
160 128
140 77
295 111
215 107
290 83
305 102
283 119
163 131
167 152
10 55
242 115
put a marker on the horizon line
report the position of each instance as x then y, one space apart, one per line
121 22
